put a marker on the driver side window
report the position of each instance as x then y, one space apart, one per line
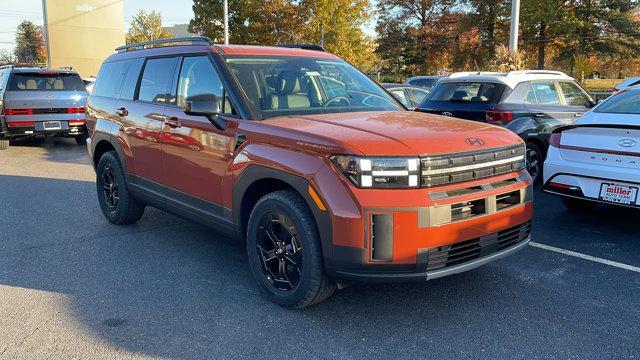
199 80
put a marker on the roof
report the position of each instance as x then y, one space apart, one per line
271 51
510 79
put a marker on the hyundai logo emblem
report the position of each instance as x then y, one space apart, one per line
446 113
474 141
627 143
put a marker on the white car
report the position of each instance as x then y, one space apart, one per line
597 159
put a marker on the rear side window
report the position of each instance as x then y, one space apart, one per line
109 79
157 75
471 92
418 95
627 102
543 93
45 81
131 78
425 83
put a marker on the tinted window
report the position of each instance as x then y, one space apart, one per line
425 83
46 81
626 102
475 92
418 95
545 92
131 78
288 85
400 95
155 80
109 79
573 95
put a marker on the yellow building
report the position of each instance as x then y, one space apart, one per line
82 33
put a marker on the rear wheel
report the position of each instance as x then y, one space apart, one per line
534 162
117 205
285 253
578 205
4 144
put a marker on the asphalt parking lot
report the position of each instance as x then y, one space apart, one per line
74 286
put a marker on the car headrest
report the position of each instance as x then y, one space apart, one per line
58 84
31 84
460 95
288 83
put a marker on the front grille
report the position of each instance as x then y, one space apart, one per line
460 167
464 251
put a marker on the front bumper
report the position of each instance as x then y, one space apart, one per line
421 234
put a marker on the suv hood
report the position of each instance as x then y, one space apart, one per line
398 133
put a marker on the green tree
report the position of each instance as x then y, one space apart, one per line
147 26
30 43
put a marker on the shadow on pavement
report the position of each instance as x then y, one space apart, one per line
169 288
56 149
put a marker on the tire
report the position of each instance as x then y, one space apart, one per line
578 205
535 160
4 144
118 207
81 139
306 286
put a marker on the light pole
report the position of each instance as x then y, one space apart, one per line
515 19
226 22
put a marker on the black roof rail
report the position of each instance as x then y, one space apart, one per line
191 40
315 47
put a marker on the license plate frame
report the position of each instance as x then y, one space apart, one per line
618 194
52 125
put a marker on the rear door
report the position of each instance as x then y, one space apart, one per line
465 100
141 114
544 101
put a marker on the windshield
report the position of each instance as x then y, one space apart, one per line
627 102
48 81
285 86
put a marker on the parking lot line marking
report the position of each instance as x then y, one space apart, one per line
586 257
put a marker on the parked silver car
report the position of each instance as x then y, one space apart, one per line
37 101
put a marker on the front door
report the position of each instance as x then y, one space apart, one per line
196 154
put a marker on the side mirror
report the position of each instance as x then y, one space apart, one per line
207 106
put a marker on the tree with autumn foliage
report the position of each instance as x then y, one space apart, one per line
147 26
30 44
336 23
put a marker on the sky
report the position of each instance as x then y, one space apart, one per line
12 12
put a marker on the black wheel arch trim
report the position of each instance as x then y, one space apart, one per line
254 173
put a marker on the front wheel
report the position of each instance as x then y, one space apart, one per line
117 205
285 253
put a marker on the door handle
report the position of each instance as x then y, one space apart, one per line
173 122
577 114
122 112
539 115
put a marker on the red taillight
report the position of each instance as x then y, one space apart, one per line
499 117
19 111
21 124
79 110
76 122
554 140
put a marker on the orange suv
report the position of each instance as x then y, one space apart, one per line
324 174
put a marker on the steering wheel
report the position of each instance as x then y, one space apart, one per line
337 98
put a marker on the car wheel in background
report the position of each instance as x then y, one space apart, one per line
578 205
81 139
117 205
534 162
285 253
4 144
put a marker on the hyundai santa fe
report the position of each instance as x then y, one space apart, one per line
326 176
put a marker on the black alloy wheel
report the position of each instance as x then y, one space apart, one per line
280 251
534 162
110 188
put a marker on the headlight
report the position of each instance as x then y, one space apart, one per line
375 172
